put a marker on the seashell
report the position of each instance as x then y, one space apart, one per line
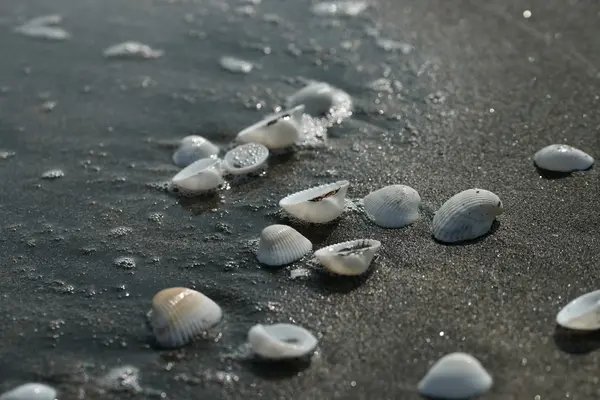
131 49
192 149
393 206
348 258
245 159
318 205
319 98
466 216
581 314
276 131
179 315
30 391
562 158
281 245
199 177
281 341
456 376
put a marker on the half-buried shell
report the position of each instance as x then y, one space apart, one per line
348 258
466 216
245 159
562 158
320 98
197 178
281 245
281 341
581 314
393 206
318 205
180 314
277 131
194 148
30 391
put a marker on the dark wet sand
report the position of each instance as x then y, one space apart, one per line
483 90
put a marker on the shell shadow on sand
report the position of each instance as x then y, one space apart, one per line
328 283
277 370
495 226
576 342
552 175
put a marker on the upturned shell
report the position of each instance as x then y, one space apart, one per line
319 98
194 148
180 314
281 245
562 158
348 258
456 376
393 206
582 314
466 216
30 391
281 341
245 159
199 177
318 205
277 131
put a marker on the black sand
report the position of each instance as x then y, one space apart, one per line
483 90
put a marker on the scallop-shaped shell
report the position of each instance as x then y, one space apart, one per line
582 314
348 258
562 158
456 376
281 245
245 159
393 206
319 98
466 216
193 148
281 341
318 205
277 131
180 314
199 177
30 391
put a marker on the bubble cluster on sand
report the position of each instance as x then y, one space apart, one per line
125 378
53 174
121 231
125 262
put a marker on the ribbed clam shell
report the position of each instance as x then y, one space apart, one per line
393 206
318 205
582 314
348 258
562 158
245 159
193 148
180 314
466 216
30 391
281 341
319 98
281 245
276 131
456 376
199 177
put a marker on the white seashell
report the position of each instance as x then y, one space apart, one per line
466 216
245 159
562 158
348 258
131 49
277 131
180 314
456 376
281 341
199 177
319 98
281 245
192 149
30 391
582 314
393 206
44 28
236 65
318 205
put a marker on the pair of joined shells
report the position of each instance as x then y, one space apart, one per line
348 258
277 131
193 148
581 314
320 204
393 206
281 341
562 158
280 245
30 391
319 99
456 376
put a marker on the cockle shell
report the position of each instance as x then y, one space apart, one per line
193 148
281 245
582 314
562 158
348 258
456 376
320 98
277 131
30 391
466 216
245 159
180 314
393 206
199 177
318 205
281 341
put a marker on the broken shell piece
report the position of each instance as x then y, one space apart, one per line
348 258
281 341
277 131
281 245
320 204
581 314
